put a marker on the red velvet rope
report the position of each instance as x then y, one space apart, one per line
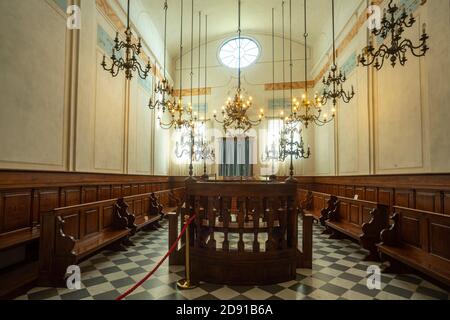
171 250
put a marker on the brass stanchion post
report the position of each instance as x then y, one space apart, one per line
186 283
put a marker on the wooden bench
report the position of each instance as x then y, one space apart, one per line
316 204
360 220
71 234
21 275
419 240
18 238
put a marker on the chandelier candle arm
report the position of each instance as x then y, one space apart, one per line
163 90
179 116
234 112
393 25
272 154
309 111
334 90
130 64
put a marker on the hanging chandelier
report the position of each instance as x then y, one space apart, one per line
308 111
272 154
130 64
199 146
180 115
234 112
206 149
334 90
289 146
393 26
163 90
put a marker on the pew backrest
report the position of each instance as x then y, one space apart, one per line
356 212
424 230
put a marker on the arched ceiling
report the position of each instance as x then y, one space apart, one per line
256 18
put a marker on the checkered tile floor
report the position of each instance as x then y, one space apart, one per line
338 273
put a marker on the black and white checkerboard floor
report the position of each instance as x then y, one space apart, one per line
338 273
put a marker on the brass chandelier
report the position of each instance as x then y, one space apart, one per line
180 116
393 26
289 147
197 145
130 64
272 154
334 90
235 110
163 90
309 111
206 149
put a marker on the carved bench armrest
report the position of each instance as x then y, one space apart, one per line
390 235
64 242
378 222
122 214
333 208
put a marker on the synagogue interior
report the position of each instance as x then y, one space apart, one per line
225 150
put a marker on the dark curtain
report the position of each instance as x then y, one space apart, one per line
235 169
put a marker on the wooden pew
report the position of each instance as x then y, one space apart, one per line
316 204
360 220
72 234
420 240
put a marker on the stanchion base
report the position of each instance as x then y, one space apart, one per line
185 284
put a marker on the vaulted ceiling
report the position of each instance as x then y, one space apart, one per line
256 18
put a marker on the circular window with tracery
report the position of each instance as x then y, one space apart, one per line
229 52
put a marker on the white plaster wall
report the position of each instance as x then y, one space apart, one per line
33 112
398 120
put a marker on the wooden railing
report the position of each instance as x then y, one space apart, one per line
246 233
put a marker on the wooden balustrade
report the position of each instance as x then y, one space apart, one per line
246 233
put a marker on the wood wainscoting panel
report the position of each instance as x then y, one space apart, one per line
134 189
116 192
342 191
429 201
70 197
354 215
15 210
107 216
91 222
89 194
104 193
446 202
371 194
126 190
386 196
404 198
349 192
361 192
439 233
44 200
410 228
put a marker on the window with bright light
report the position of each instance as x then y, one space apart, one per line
229 52
273 134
